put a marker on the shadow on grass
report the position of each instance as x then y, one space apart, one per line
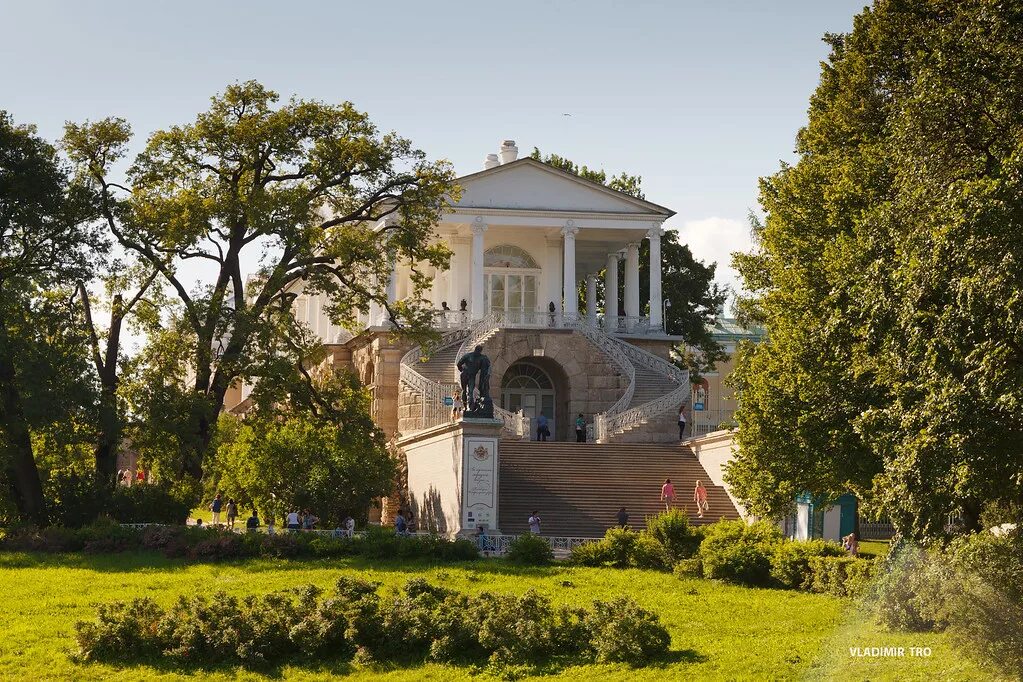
135 560
343 666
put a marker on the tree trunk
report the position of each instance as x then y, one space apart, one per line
19 462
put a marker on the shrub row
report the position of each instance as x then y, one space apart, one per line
423 622
210 544
75 500
669 538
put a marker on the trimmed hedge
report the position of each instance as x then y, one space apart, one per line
842 576
737 552
790 562
211 544
423 622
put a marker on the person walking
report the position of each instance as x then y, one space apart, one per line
232 513
543 431
252 523
534 523
700 498
215 506
293 522
667 494
309 521
349 526
623 518
580 429
456 406
682 422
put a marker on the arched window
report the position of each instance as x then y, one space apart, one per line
508 256
522 375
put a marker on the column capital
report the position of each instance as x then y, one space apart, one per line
655 231
478 226
633 246
615 256
570 229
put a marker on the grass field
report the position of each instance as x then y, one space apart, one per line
718 631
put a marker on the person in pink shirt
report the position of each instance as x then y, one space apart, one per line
667 494
700 498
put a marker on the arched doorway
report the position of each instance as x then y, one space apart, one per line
529 388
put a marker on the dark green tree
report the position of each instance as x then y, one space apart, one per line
45 241
888 274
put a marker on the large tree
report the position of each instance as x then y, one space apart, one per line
889 273
297 191
687 282
45 241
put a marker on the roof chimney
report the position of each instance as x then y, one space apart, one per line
491 161
509 152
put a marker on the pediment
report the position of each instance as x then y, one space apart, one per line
528 184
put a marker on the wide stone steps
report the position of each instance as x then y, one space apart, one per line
440 365
577 488
650 385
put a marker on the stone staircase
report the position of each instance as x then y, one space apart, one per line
577 488
650 385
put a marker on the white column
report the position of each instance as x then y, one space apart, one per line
632 280
458 272
552 276
591 299
654 235
568 271
476 305
611 289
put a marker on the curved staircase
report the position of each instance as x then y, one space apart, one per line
577 488
656 387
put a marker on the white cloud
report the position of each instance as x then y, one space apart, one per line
714 240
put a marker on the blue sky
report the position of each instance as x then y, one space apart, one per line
700 98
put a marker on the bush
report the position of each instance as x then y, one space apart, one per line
592 554
673 531
530 550
622 632
738 552
841 576
985 598
648 553
75 500
423 621
688 569
790 562
910 595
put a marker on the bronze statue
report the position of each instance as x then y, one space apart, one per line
474 377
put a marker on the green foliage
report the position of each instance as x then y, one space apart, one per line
301 186
842 576
985 601
790 562
622 632
687 569
151 503
530 550
911 593
677 536
333 463
592 554
423 621
738 552
887 275
647 552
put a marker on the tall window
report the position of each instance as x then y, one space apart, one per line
512 279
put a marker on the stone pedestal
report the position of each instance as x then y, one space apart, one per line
453 474
480 471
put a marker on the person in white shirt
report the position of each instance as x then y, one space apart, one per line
293 522
534 523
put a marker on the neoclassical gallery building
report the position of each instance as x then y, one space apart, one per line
525 236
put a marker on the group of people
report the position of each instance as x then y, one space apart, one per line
699 497
404 522
126 477
543 429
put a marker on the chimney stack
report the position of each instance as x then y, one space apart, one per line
509 152
491 161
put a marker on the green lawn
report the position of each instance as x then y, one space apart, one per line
718 631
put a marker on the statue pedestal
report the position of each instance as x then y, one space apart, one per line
480 473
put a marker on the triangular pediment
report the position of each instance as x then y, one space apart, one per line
528 184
